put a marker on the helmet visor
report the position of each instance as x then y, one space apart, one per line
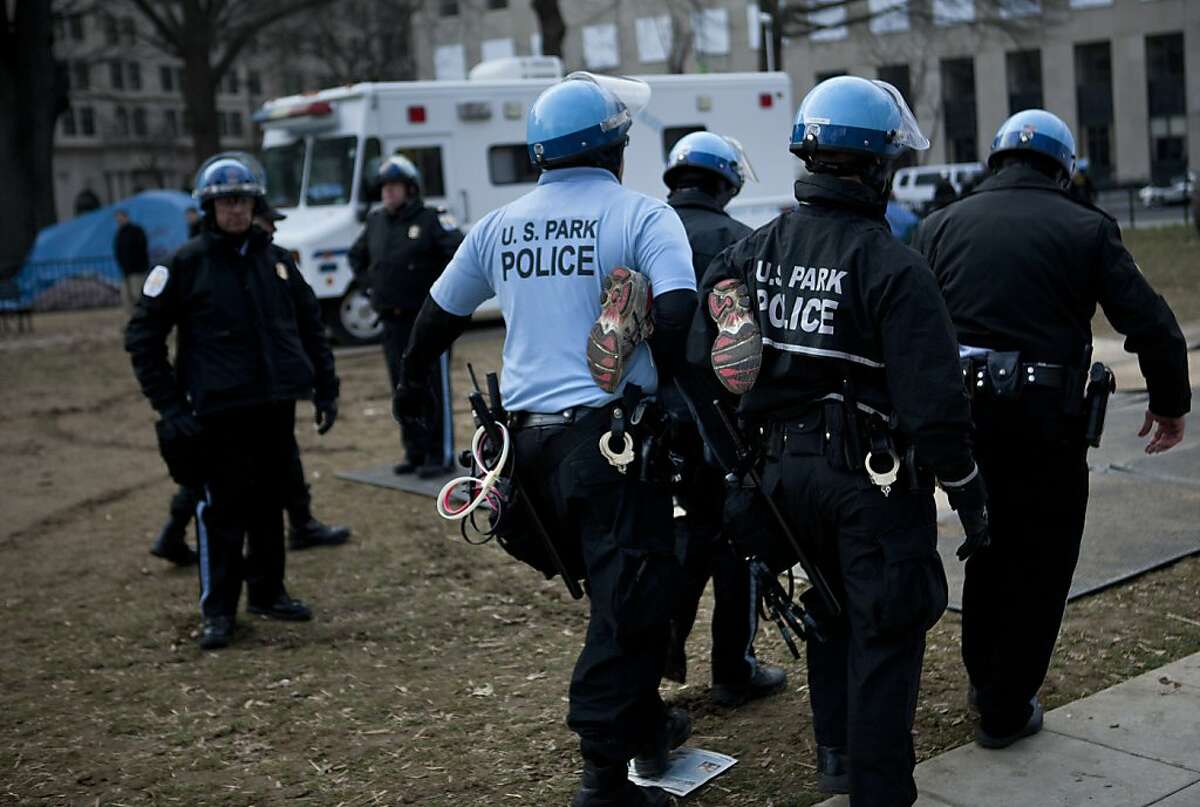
633 93
909 133
743 160
247 159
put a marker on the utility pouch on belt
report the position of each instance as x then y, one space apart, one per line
1101 384
1004 374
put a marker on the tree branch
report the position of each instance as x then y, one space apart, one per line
247 29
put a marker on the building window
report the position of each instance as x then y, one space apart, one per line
111 35
166 78
888 16
899 76
81 76
87 121
139 121
128 31
1165 85
122 121
232 82
134 72
116 75
1094 107
496 5
68 123
235 124
75 27
1024 71
253 82
171 122
958 110
448 8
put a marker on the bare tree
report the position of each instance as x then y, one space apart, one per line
552 26
371 40
208 36
32 96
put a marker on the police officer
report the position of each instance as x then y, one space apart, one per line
401 251
704 171
547 257
251 343
1022 266
304 529
839 344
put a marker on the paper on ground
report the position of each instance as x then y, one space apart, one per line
688 769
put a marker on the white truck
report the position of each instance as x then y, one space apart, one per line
468 140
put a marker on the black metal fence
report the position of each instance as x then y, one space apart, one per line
1124 203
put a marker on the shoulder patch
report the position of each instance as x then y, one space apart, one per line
281 270
446 219
156 281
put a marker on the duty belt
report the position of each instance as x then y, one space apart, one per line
1003 375
533 420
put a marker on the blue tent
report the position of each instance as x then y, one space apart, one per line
79 252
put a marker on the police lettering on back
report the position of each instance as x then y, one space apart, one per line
790 309
549 249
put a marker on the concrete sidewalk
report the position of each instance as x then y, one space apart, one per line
1133 745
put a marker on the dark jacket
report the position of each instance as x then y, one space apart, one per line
398 256
709 228
249 330
129 247
1022 266
837 297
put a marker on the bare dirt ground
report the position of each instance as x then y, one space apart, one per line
435 672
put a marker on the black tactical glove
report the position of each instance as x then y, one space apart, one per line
326 414
969 499
180 444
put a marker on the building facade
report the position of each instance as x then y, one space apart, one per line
1124 74
126 129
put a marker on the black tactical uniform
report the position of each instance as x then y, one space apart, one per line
702 493
1022 266
250 344
858 355
396 258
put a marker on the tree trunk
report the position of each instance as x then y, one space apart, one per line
30 102
554 29
199 83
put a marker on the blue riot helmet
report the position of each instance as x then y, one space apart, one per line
1039 132
399 168
230 173
852 115
580 115
706 151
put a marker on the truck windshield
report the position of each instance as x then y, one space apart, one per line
285 170
331 175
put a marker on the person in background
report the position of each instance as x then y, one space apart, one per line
133 258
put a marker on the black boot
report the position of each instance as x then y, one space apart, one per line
767 680
171 546
216 633
833 769
609 786
674 732
314 533
283 608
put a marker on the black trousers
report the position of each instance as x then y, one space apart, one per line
619 530
880 555
297 498
706 553
242 505
1034 462
429 437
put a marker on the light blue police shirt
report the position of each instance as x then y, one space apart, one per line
544 257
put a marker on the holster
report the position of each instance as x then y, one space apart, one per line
1101 384
1004 374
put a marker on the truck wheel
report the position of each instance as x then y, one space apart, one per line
352 319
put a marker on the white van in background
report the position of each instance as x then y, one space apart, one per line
914 186
468 140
